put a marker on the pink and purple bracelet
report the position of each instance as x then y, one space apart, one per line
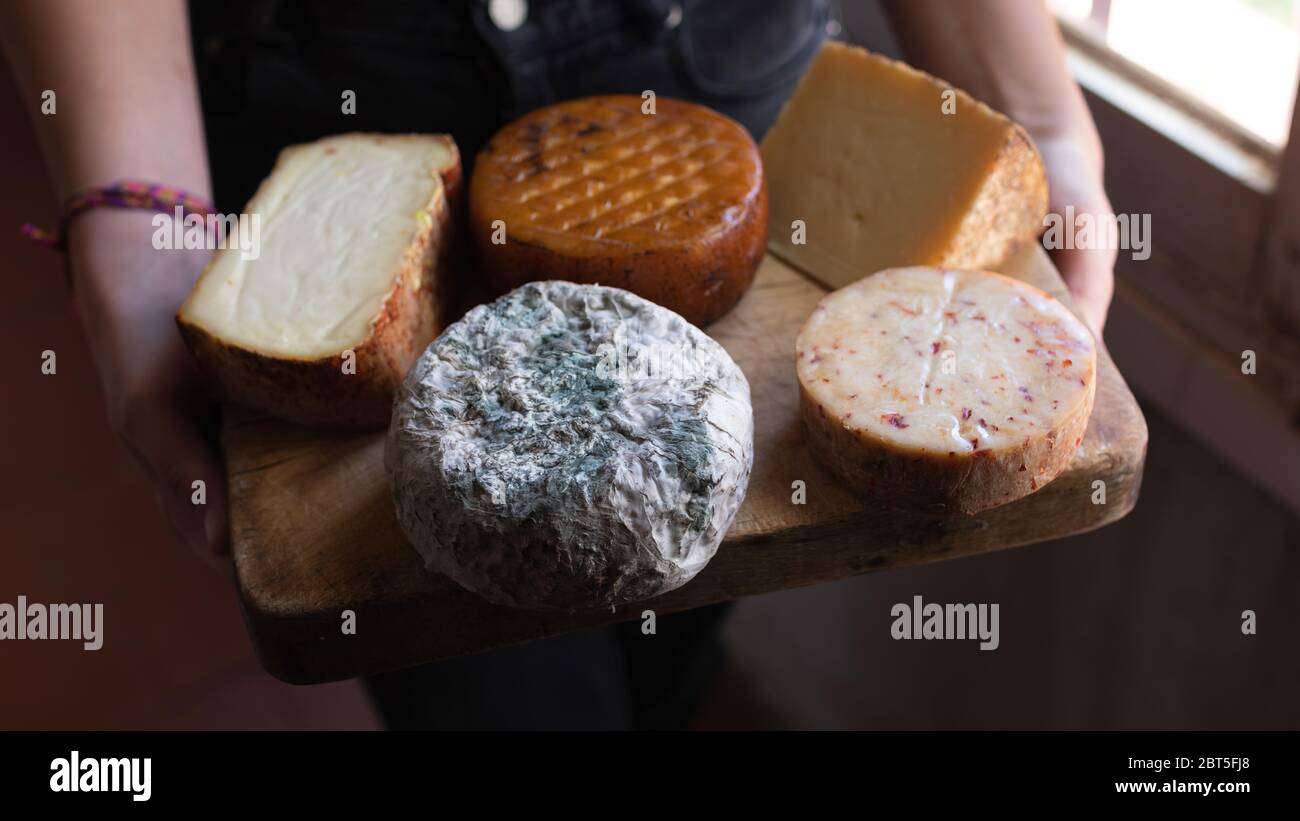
121 194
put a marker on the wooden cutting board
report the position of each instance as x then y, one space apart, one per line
314 535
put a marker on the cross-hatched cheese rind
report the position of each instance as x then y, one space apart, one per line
672 207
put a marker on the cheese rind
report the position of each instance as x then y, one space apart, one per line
570 447
670 204
887 166
926 386
320 326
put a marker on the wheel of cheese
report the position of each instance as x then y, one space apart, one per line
925 386
569 447
670 205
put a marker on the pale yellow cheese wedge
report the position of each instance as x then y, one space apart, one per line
887 166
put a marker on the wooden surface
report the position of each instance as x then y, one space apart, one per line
314 533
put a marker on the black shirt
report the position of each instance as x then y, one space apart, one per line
273 72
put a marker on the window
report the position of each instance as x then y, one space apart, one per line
1194 101
1238 57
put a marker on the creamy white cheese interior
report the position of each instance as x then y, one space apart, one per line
945 361
336 217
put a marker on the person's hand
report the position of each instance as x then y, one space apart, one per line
1074 179
127 294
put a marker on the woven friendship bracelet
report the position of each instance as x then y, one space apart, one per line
121 194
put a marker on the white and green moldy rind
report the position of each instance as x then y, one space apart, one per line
570 447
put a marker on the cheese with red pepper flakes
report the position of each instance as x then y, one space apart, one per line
926 386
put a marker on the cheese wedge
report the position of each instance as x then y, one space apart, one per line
345 290
962 389
886 166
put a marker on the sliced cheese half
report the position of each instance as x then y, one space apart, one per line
957 388
349 230
887 166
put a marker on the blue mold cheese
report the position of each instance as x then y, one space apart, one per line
570 447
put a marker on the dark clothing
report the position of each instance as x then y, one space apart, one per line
273 73
611 678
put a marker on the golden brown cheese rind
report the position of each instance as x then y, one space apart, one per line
961 389
671 205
